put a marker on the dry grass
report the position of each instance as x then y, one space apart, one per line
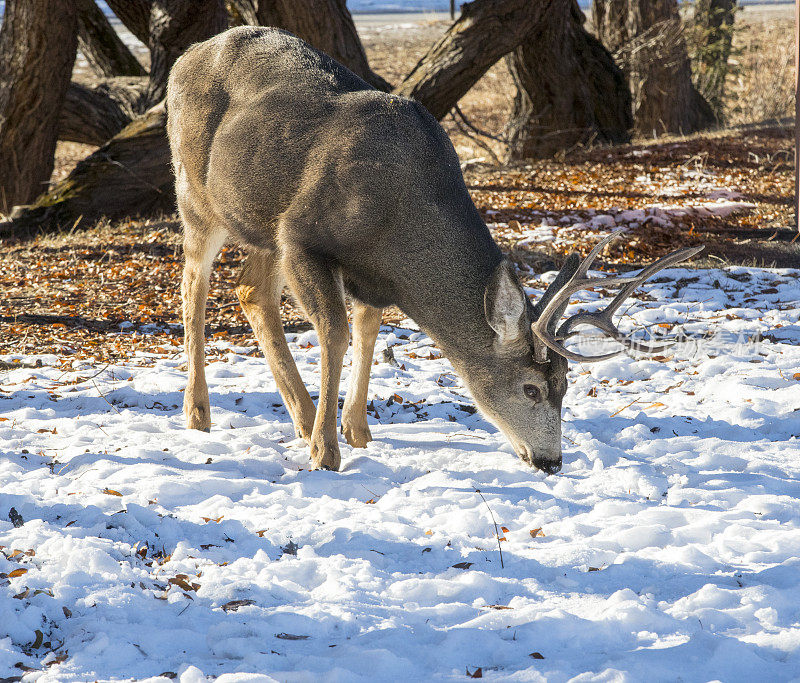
761 86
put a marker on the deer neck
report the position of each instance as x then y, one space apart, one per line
450 307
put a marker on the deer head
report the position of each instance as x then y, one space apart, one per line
522 382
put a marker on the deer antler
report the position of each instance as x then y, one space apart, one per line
543 326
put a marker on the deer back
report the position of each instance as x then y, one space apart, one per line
289 148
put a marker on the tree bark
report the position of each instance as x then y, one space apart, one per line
569 90
646 37
174 26
95 114
38 42
243 12
129 175
713 36
486 31
107 55
135 15
328 26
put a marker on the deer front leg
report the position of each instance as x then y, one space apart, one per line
319 291
199 248
366 324
259 291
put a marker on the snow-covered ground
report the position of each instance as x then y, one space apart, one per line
667 549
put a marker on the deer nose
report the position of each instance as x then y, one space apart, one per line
547 466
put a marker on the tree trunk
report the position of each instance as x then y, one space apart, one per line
242 12
129 175
174 26
135 15
646 37
486 31
38 42
713 36
328 26
107 55
569 90
95 114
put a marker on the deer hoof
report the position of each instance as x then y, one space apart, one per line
325 455
358 436
198 417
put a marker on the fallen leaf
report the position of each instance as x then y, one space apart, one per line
15 518
536 655
290 548
181 583
233 605
478 673
112 492
58 660
17 572
536 532
291 636
24 667
463 565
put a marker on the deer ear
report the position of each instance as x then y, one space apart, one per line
505 304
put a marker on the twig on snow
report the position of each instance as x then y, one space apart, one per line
496 530
104 398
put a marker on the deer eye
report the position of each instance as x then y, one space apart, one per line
532 392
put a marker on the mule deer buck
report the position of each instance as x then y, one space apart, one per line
334 188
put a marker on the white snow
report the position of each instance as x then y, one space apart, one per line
545 229
671 546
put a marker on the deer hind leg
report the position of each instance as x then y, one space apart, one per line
200 247
319 290
366 324
259 290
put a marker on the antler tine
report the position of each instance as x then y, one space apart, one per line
587 262
540 327
602 320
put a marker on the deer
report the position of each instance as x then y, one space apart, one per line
335 190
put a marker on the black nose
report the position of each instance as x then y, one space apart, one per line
548 466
